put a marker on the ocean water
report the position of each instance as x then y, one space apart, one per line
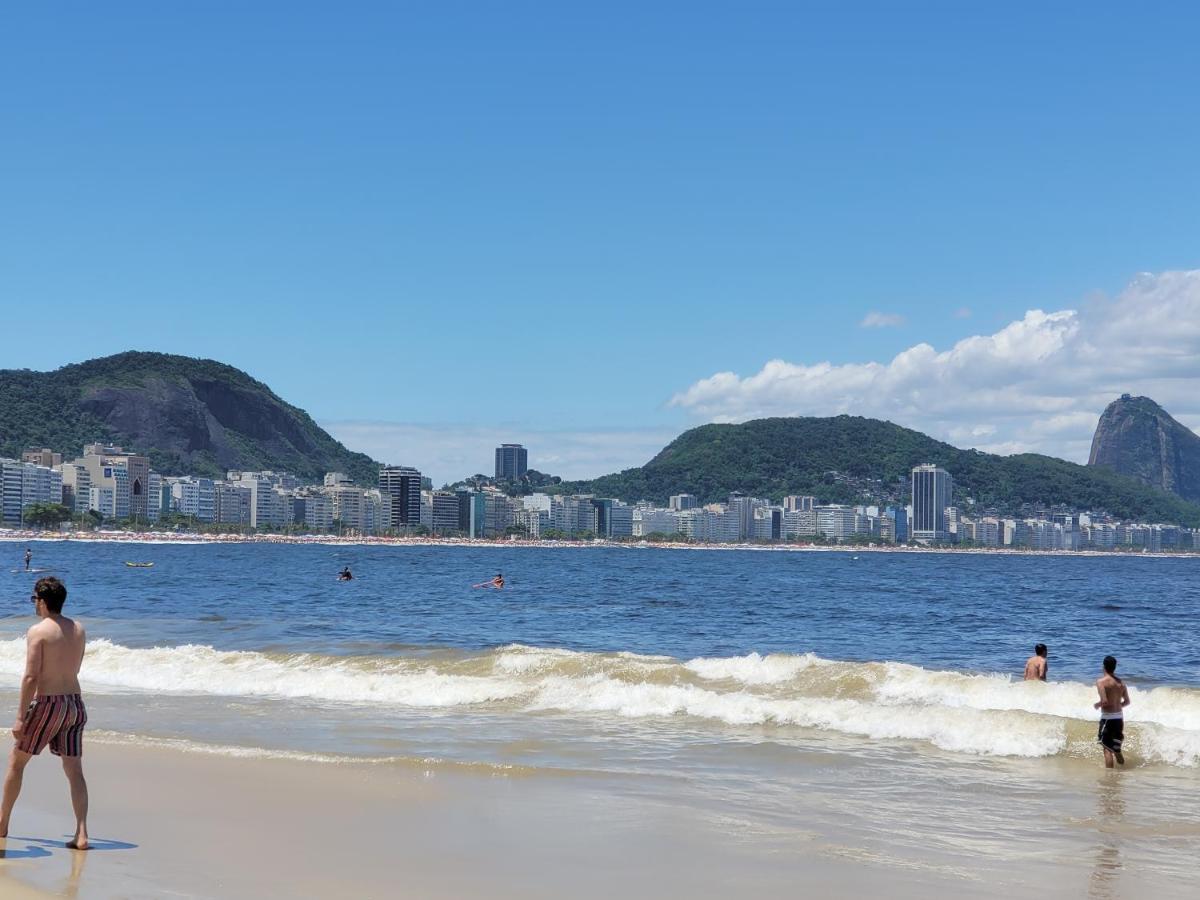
763 691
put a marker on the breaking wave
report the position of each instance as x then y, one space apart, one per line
958 712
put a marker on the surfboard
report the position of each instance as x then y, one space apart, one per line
30 571
140 565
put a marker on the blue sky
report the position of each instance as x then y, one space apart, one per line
431 225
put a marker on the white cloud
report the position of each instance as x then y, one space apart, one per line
1038 384
881 320
447 453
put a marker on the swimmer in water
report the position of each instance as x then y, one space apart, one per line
345 575
1037 666
497 583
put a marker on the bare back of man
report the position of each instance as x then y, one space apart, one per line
62 641
50 712
1037 665
1114 697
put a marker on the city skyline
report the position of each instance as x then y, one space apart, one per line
101 488
788 213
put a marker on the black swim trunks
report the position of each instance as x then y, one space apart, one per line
1111 734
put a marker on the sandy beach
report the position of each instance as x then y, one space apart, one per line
156 537
170 822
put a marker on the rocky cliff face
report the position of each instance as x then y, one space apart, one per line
1138 438
188 415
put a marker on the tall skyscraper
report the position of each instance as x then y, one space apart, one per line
512 462
401 485
932 492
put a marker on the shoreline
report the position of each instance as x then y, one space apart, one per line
164 821
195 538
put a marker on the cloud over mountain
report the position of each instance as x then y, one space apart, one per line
1038 384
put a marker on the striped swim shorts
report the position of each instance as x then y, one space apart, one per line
57 720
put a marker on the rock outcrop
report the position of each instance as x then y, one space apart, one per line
1138 438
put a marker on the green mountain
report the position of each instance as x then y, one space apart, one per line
189 416
1138 438
850 459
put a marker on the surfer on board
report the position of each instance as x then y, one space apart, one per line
28 558
345 575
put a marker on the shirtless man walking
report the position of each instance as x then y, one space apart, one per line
1037 666
50 711
1114 697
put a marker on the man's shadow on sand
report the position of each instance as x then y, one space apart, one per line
38 848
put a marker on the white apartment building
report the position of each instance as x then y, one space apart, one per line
644 521
540 502
573 515
77 483
267 506
801 523
195 497
22 484
835 521
318 510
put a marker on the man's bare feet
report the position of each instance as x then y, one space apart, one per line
79 844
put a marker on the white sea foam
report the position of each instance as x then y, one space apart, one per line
753 668
983 714
191 669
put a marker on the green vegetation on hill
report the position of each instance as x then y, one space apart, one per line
849 459
189 416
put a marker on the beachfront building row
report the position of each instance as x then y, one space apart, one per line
118 485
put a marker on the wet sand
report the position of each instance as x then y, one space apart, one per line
176 823
179 823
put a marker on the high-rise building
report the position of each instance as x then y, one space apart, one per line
932 492
797 503
445 512
131 501
401 485
898 516
24 484
44 457
835 521
680 502
77 485
195 497
233 503
512 462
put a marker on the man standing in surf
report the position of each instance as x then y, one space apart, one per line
50 711
1114 697
1036 666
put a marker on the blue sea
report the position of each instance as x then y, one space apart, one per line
859 689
